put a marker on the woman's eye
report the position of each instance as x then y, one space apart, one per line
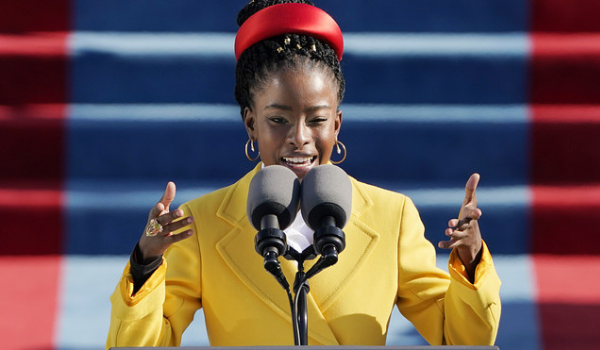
278 120
317 120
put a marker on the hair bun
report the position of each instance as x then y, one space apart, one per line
256 5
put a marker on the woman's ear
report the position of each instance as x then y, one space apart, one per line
338 121
249 123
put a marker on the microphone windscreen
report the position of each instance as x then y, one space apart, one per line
275 189
326 191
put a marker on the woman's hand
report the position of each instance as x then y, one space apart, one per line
152 246
464 232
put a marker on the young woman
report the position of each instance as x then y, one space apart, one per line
289 87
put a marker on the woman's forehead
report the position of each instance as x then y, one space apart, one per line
316 85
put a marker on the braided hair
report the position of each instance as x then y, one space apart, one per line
284 52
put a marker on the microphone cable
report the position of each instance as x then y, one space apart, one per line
303 284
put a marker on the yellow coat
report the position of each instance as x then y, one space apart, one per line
387 262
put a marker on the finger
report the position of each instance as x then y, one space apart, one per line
169 195
456 237
156 211
172 227
449 232
164 202
469 211
167 218
470 188
453 223
456 234
475 214
464 224
447 244
467 214
181 236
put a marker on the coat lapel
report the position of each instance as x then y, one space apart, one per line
361 240
237 250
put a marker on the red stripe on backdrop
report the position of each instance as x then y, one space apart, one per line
33 96
33 68
33 141
565 16
566 220
36 218
565 68
563 148
45 45
569 300
28 301
32 138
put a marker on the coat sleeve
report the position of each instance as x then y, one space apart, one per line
445 309
164 306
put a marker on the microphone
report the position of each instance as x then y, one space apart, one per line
273 201
326 202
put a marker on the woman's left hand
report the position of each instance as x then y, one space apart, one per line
464 232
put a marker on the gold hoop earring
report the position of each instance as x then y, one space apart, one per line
339 151
251 143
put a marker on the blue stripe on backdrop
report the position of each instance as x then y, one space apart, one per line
436 144
352 15
505 224
87 283
166 142
156 15
220 45
192 68
115 68
458 69
425 144
431 147
108 217
429 15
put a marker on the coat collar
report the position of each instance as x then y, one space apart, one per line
236 246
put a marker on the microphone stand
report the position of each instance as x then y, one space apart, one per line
301 289
329 241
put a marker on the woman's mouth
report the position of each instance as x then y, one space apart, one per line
299 161
299 165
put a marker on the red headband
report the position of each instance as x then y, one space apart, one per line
289 18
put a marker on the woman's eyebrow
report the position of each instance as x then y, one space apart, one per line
316 108
278 106
288 108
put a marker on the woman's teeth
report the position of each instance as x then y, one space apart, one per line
298 160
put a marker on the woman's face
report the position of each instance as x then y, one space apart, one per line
295 119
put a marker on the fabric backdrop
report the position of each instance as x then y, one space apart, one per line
103 102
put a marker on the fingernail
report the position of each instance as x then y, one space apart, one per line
179 213
190 220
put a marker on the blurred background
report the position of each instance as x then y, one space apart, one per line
103 102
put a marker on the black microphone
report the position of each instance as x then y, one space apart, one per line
273 201
326 202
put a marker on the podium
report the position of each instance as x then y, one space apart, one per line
340 347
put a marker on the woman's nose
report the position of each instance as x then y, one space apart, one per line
299 135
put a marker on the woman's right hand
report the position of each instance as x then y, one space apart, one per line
155 246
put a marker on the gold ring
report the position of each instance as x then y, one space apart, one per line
153 228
